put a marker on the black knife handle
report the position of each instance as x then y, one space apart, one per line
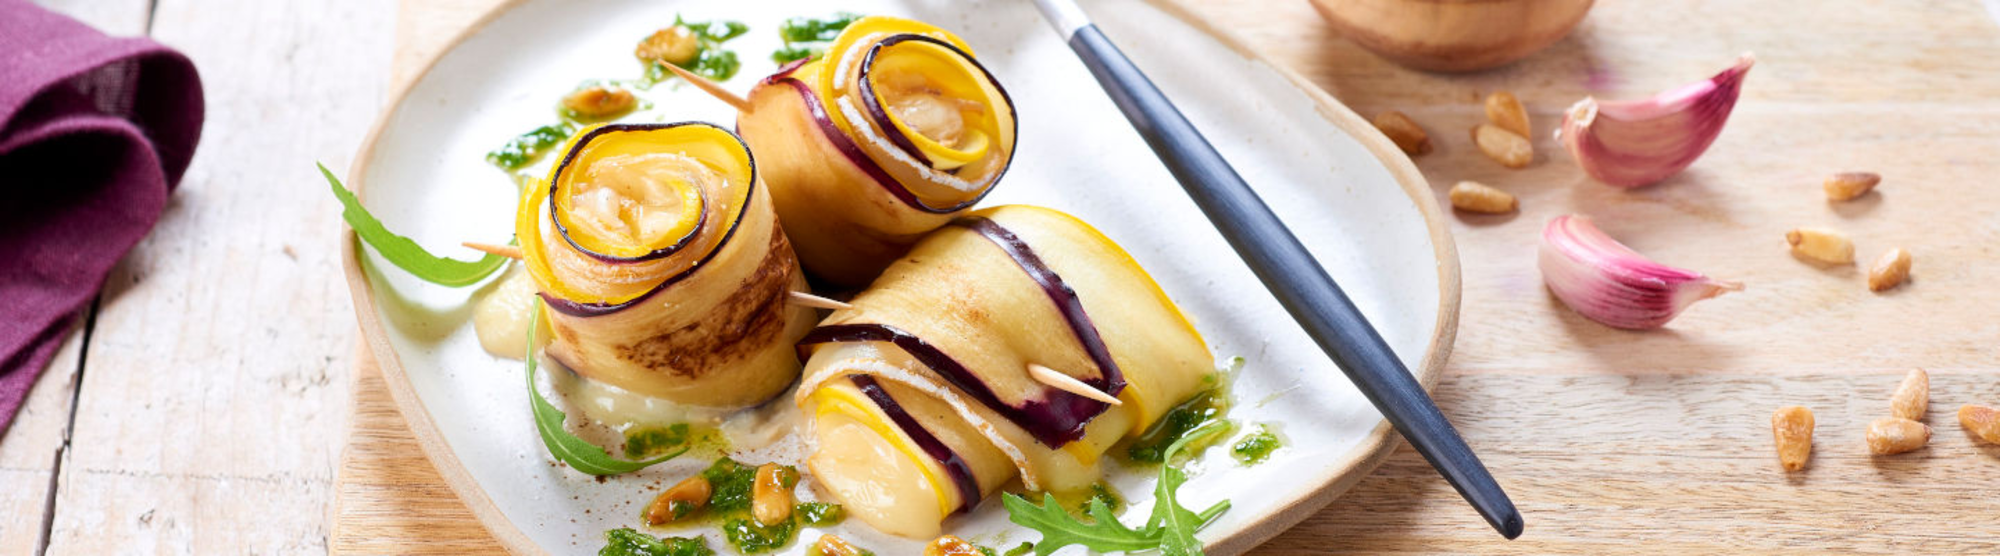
1295 277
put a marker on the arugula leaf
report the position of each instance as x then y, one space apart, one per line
1170 530
1059 529
576 452
1177 523
405 253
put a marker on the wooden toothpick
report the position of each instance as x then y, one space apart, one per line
507 251
817 302
1069 384
712 88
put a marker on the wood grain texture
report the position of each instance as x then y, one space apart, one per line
1614 441
29 446
214 395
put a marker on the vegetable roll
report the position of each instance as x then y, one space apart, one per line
920 395
894 132
663 266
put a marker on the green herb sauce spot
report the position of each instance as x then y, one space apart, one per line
820 514
525 149
627 542
1256 447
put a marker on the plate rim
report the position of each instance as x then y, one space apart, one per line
1336 480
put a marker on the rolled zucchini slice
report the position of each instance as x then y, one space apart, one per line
950 329
662 264
893 133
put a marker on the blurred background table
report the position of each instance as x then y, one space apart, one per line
217 404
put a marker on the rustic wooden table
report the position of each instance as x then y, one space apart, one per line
211 396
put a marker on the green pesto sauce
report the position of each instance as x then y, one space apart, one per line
807 37
1256 447
819 514
1018 550
750 537
711 59
1210 404
522 150
648 441
626 542
731 484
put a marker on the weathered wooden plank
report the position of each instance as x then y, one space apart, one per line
27 454
28 447
114 17
214 396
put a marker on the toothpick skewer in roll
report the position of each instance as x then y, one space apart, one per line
817 302
712 88
1066 383
507 251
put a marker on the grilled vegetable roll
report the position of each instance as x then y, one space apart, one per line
663 266
894 132
920 394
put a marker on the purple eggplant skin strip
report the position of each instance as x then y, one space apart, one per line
1056 420
961 473
1112 380
579 309
1060 416
860 159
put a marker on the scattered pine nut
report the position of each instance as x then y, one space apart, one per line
680 501
1890 269
1913 397
600 102
1846 186
675 45
1505 147
1792 429
1981 421
833 545
1895 435
771 496
1404 132
950 545
1506 111
1821 244
1471 196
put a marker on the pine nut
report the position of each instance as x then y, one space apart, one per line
1506 111
949 545
833 545
1913 397
1792 429
1895 435
771 495
1404 132
1890 270
1472 196
599 102
1505 147
1821 244
1849 185
679 502
1981 421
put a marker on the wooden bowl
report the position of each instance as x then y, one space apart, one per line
1453 35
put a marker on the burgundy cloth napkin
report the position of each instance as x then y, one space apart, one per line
94 133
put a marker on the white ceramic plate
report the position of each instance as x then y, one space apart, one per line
1356 202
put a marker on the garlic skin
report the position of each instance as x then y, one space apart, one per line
1610 283
1640 142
